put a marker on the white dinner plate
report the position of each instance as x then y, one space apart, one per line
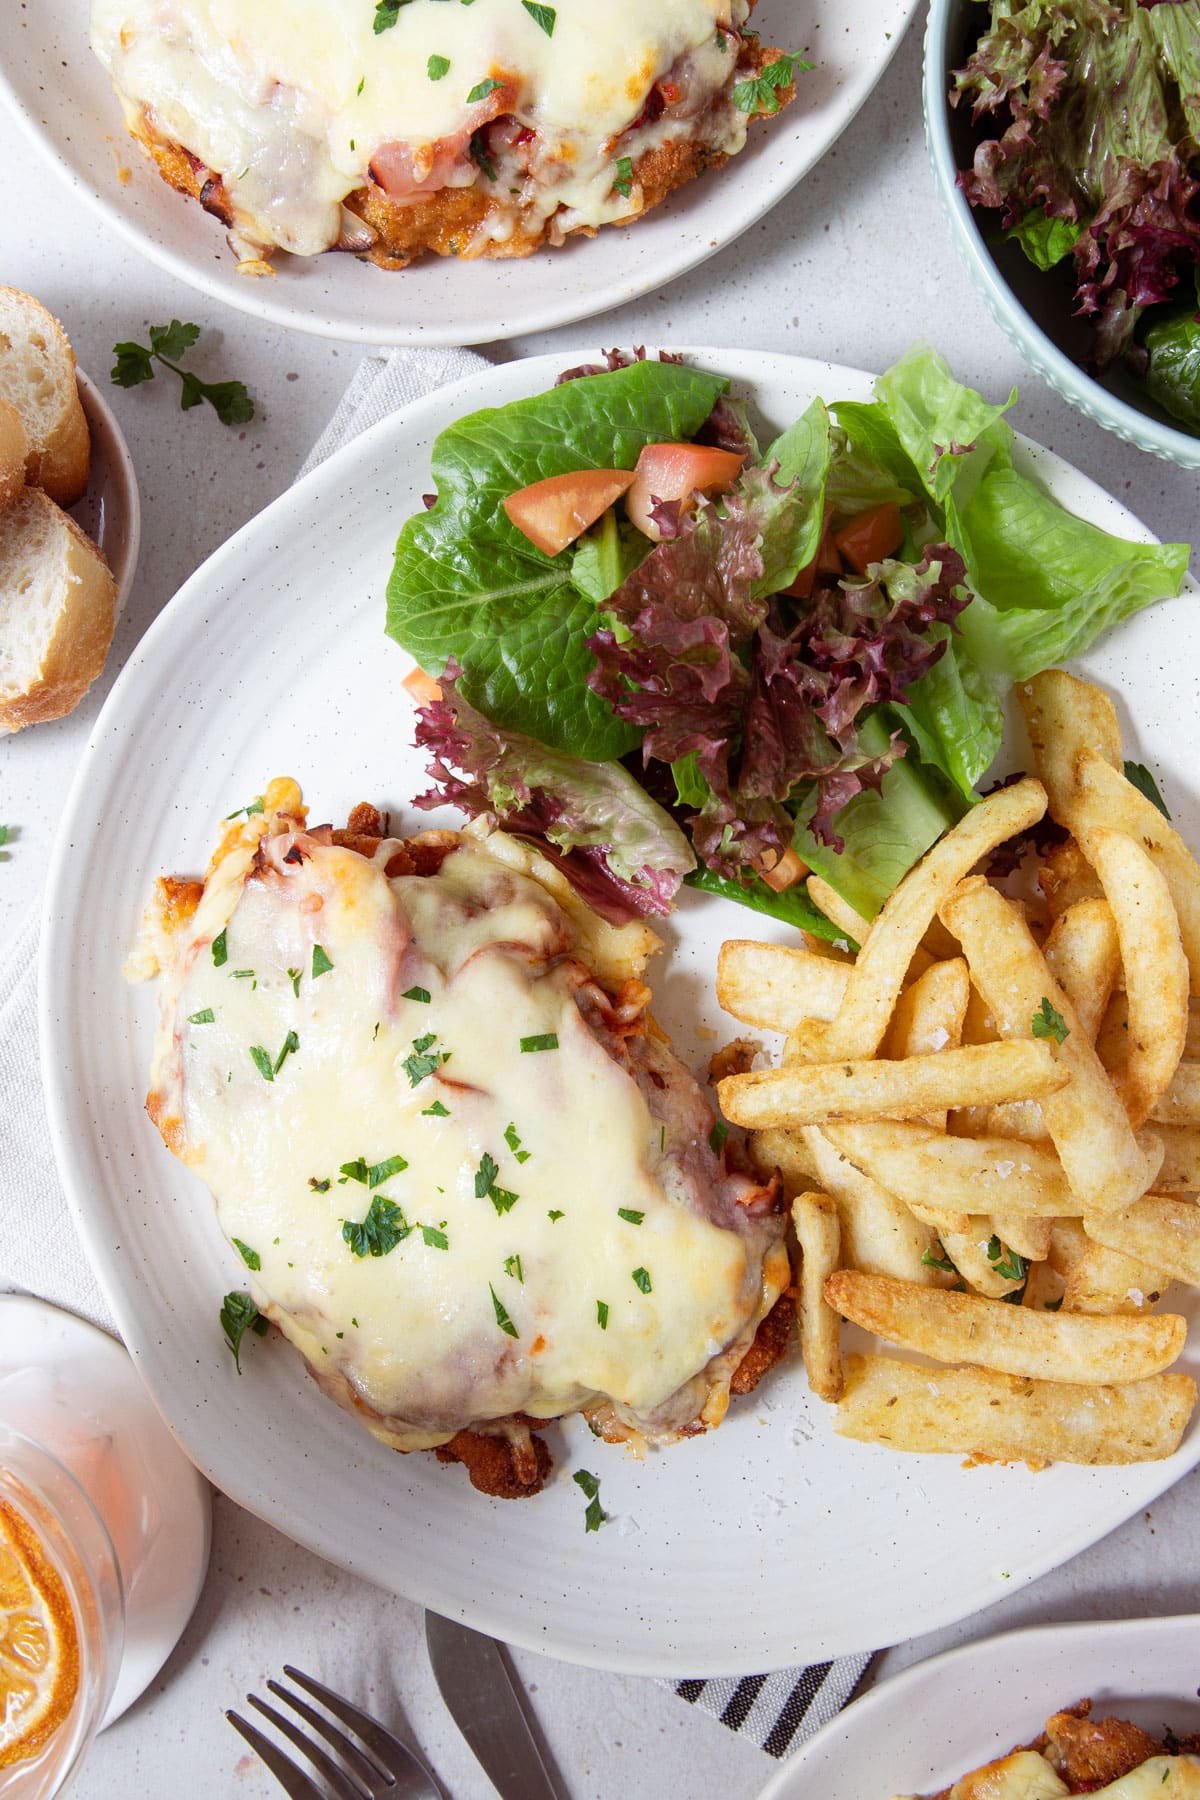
63 97
940 1719
766 1541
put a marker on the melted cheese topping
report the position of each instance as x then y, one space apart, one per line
510 1165
1027 1776
291 103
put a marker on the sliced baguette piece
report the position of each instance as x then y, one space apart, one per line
57 610
14 447
37 377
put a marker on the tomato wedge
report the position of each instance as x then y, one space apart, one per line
421 688
870 536
554 512
676 472
825 562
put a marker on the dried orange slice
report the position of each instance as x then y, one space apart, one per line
39 1644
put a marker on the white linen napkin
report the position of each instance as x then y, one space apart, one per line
40 1252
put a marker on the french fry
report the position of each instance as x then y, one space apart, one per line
1180 1171
1085 1118
1083 953
1180 1105
929 1016
974 1075
818 1233
768 985
1105 797
1156 969
968 1174
1067 878
1158 1230
883 962
1003 1418
786 1151
1192 1046
1027 1234
1065 716
979 1027
951 1328
879 1233
839 912
1099 1280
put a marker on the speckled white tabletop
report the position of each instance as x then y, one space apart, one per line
852 267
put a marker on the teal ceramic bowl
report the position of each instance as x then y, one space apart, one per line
1033 308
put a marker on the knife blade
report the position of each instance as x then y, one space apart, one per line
474 1681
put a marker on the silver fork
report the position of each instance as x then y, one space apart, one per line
385 1769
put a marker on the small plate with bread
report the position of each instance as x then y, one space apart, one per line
69 519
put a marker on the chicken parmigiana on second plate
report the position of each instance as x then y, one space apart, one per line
469 1180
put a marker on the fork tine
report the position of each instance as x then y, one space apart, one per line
342 1784
367 1770
290 1777
396 1757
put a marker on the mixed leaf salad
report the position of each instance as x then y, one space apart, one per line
1089 118
671 655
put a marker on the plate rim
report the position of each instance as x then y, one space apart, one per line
916 1674
53 978
252 296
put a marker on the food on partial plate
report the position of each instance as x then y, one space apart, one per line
1077 1754
674 656
57 594
37 379
988 1118
394 128
1087 153
57 609
465 1174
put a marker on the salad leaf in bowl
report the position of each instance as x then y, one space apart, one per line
756 661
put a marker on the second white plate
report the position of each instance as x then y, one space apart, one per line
765 1542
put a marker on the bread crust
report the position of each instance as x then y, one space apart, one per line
82 633
58 462
13 449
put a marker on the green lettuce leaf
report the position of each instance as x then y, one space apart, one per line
1173 364
1045 240
955 716
947 430
466 583
793 905
791 528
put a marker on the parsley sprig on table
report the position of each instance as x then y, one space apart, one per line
230 400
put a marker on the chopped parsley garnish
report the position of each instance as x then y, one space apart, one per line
602 1314
761 94
554 1215
623 179
482 89
353 1171
250 1257
722 42
503 1199
262 1062
420 994
1047 1022
541 15
1007 1264
641 1279
595 1515
205 1016
478 153
386 14
318 1187
502 1318
220 951
629 1215
436 1111
547 1041
230 400
244 975
435 1237
255 806
362 82
421 1063
321 964
1141 778
294 977
437 66
238 1316
717 1137
291 1044
514 1143
512 1266
938 1262
380 1172
384 1227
